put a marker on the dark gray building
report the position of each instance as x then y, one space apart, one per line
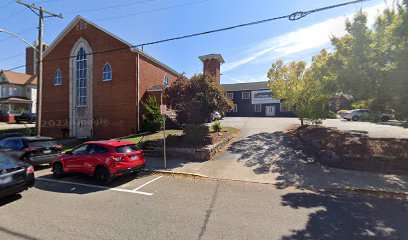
254 99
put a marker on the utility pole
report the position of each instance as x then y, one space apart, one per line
39 11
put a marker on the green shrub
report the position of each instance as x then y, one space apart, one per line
152 120
331 115
216 126
195 133
342 111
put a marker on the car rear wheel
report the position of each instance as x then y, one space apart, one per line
58 170
103 176
355 118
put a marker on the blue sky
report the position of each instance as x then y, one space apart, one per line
248 52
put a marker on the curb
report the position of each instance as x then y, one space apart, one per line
371 192
176 173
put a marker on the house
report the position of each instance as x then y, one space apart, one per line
18 93
254 99
93 91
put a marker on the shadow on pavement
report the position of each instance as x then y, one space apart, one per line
344 217
15 234
77 180
9 199
279 154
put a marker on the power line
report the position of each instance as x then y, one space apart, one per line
12 15
11 57
292 17
110 7
19 33
153 10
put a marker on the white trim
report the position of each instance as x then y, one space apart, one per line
249 95
78 18
260 107
80 115
235 109
230 94
55 77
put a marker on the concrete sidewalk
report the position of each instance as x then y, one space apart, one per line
264 153
309 176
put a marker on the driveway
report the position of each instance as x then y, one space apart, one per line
252 125
263 152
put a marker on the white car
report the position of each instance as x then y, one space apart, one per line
356 114
216 116
359 114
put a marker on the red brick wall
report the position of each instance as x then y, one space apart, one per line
114 102
152 73
29 69
212 68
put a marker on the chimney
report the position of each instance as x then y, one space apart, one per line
212 65
31 59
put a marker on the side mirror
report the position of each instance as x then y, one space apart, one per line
68 152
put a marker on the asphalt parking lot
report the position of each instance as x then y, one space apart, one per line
254 125
153 206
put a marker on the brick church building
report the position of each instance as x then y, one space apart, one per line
89 92
96 93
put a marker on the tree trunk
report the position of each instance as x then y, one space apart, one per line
301 121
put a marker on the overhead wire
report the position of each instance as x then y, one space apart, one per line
292 17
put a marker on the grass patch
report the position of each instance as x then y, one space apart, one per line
153 136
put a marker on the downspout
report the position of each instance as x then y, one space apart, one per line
138 92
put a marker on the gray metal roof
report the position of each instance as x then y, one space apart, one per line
245 86
155 88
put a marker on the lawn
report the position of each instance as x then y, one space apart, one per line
175 138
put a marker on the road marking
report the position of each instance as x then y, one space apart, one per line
95 186
146 183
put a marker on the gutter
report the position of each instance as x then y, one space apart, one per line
138 91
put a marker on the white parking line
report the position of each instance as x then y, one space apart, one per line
95 186
146 183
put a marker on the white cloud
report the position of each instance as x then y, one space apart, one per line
315 36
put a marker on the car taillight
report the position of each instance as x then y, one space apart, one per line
30 169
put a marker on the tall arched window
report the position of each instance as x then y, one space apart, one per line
107 72
58 77
82 80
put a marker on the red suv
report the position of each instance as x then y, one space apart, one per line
102 159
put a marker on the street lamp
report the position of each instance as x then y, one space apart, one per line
22 39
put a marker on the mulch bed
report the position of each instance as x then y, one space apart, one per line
352 150
181 141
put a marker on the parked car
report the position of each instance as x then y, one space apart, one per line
104 160
26 117
356 114
15 175
359 114
216 116
32 150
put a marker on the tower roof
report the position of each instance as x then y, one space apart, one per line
212 56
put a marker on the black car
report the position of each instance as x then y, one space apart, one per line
32 150
15 175
26 117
